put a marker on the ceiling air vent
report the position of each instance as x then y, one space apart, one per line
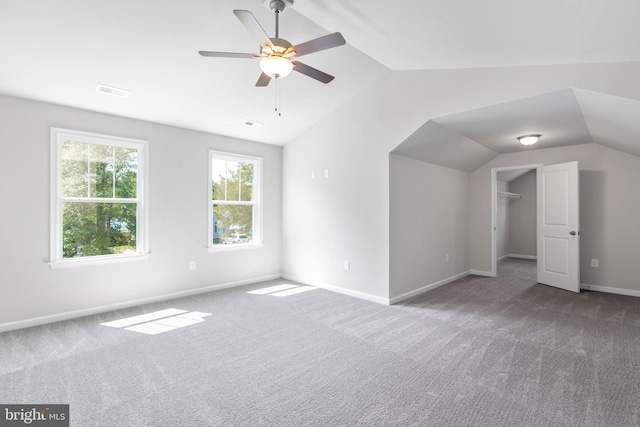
108 90
252 124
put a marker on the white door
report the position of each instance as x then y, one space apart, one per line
559 226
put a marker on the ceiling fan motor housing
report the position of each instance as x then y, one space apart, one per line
278 6
282 43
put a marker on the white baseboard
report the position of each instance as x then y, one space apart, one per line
337 289
522 256
610 290
26 323
481 273
426 288
503 257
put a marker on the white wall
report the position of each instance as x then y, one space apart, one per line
522 216
344 217
429 219
609 210
326 221
178 186
347 216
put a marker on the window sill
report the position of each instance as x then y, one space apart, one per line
97 260
237 247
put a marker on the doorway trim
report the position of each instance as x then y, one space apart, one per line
494 209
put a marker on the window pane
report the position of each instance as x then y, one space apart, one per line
233 184
88 170
232 224
126 167
101 170
232 181
90 229
75 169
218 178
245 177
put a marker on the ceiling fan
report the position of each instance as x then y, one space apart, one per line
276 54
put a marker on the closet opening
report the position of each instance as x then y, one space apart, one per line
513 220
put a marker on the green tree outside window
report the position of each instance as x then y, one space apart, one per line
97 183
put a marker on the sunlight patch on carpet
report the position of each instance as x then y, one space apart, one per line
282 290
159 321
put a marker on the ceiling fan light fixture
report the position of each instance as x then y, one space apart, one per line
276 66
527 140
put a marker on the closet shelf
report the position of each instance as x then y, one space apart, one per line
509 196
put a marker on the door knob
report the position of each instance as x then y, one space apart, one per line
573 233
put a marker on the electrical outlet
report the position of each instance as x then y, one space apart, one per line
313 174
347 265
594 262
192 265
327 172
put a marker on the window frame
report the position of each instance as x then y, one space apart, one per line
56 256
257 201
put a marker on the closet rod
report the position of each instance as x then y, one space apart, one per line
510 195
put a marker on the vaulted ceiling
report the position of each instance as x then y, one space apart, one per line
58 51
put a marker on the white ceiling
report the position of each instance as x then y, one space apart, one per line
58 51
467 140
427 34
557 116
511 175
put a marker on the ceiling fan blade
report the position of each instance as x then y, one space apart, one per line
263 80
321 43
252 24
311 72
227 54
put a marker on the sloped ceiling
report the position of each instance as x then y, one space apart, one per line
430 34
511 175
612 121
58 51
467 140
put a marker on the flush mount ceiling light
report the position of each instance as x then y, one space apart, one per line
529 139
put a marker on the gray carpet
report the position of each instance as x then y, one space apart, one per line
476 352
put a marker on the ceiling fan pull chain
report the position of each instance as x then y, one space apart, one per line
278 97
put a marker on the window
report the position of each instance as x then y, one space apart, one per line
98 207
235 217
